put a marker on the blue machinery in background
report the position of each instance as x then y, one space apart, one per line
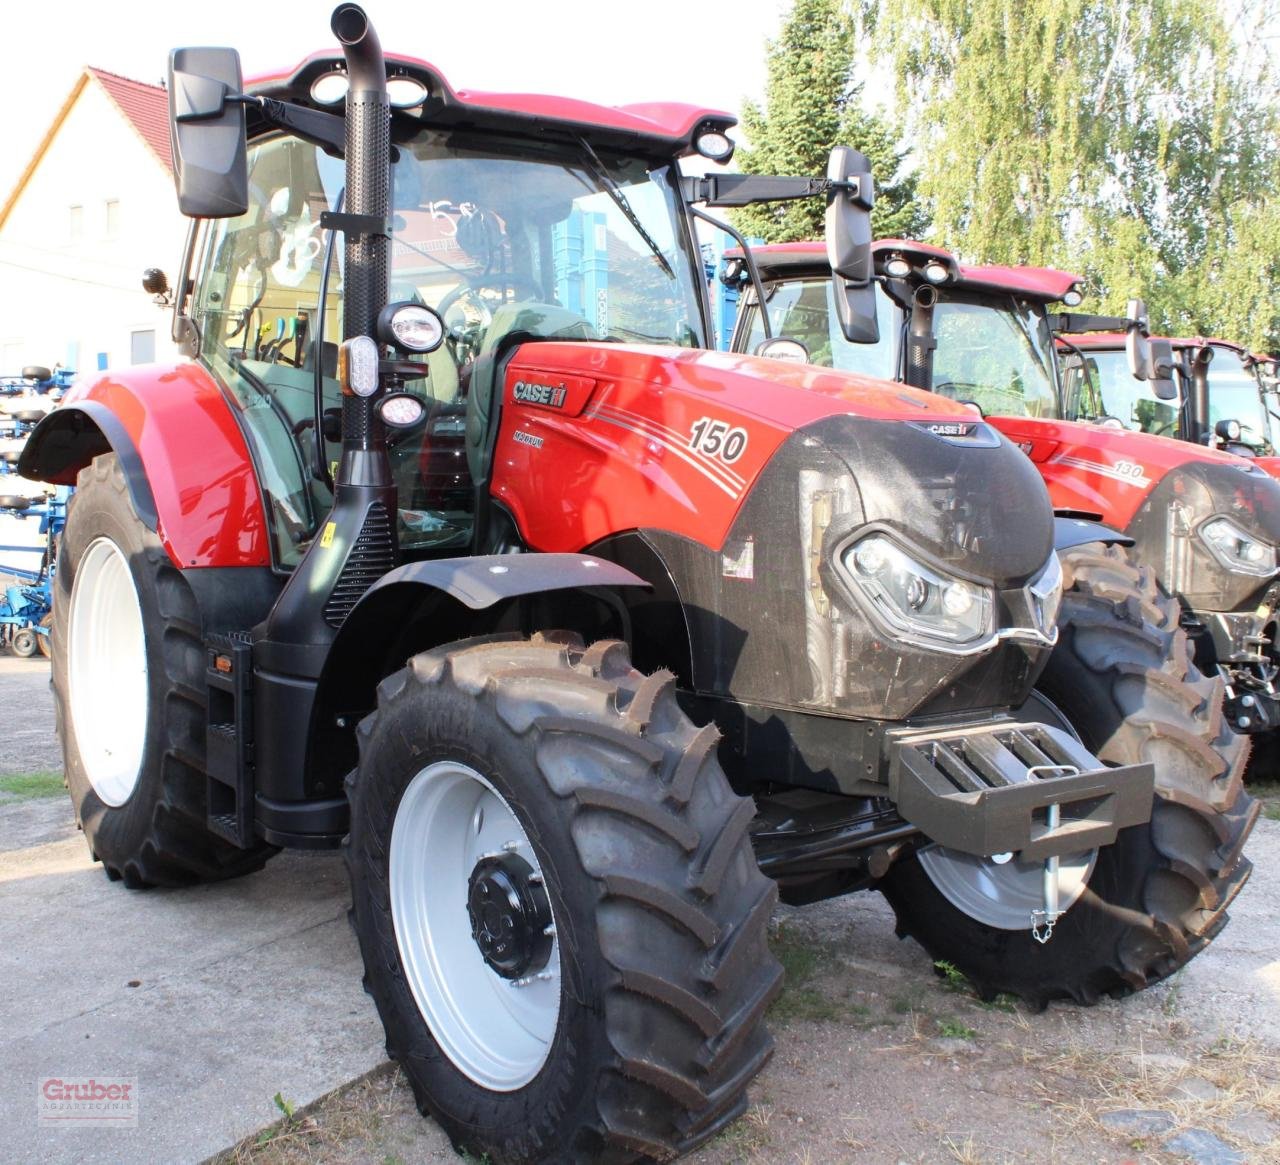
25 607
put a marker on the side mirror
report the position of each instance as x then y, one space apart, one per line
848 230
1162 368
207 131
1136 345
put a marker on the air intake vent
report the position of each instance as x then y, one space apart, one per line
370 558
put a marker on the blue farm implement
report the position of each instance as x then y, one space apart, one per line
26 607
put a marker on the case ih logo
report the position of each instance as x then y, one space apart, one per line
88 1100
950 428
530 392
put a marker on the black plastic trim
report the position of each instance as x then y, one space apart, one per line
1069 532
62 445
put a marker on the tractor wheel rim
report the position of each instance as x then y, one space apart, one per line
1003 895
454 834
107 672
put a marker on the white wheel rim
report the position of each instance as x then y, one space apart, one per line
107 672
496 1031
1003 896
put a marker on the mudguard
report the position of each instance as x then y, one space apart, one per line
184 457
419 606
1069 532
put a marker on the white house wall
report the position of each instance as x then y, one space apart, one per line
65 300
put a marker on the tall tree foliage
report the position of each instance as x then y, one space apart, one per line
1118 137
812 104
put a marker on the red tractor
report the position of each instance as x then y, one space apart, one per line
459 550
1223 401
1203 526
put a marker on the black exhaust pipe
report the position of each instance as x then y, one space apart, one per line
920 339
358 542
368 150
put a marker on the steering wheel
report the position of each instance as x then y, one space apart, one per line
476 314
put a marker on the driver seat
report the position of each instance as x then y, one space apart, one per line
512 324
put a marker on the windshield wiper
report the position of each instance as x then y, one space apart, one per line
602 176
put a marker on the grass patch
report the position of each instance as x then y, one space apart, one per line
31 786
953 1029
816 987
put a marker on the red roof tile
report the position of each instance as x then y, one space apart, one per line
145 106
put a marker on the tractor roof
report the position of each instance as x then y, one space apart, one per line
1101 341
665 127
777 260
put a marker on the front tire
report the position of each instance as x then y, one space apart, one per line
129 692
626 835
1124 678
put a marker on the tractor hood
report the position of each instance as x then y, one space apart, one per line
790 506
1166 494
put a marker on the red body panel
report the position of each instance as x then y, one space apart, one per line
198 465
635 457
1270 464
1106 471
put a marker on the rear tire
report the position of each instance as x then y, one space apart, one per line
43 641
127 646
659 910
1124 677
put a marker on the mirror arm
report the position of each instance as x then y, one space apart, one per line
748 258
326 130
746 189
1074 323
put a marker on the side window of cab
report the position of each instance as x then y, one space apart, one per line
257 306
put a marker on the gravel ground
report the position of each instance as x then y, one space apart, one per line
880 1059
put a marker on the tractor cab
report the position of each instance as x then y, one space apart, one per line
992 344
1221 400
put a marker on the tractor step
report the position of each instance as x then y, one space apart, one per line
229 738
989 790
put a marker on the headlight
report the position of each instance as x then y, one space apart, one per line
412 327
1046 596
1237 550
915 599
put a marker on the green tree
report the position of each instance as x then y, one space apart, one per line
812 104
1119 138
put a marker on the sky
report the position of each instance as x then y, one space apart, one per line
608 52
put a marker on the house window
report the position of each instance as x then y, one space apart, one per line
113 218
75 223
142 347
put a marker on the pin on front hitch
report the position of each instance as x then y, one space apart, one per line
1044 919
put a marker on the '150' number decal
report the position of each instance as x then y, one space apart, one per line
717 439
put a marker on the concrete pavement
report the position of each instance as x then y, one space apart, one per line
243 989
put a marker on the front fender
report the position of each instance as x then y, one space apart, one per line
184 458
1069 532
425 604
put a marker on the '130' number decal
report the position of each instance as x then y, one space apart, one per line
717 439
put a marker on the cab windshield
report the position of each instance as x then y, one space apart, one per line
1100 387
996 352
1234 396
504 237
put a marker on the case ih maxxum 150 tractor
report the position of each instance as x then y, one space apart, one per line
1205 526
580 638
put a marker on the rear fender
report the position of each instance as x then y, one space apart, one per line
184 458
425 604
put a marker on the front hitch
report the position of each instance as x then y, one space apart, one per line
1011 787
